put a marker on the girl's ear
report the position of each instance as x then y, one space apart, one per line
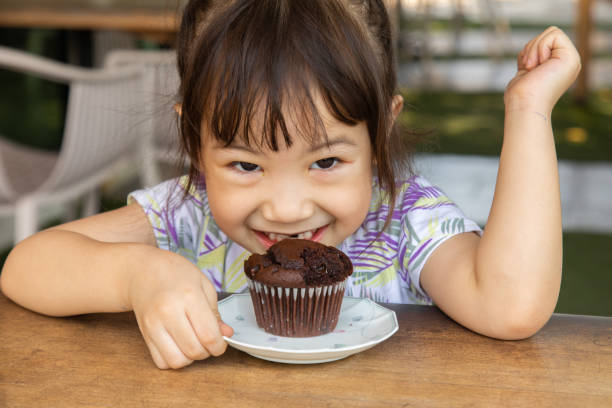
178 108
397 104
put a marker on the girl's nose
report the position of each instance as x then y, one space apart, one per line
287 206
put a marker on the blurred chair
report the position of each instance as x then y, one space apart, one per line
160 125
100 134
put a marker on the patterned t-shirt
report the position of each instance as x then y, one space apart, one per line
387 266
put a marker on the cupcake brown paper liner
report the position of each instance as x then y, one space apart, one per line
296 312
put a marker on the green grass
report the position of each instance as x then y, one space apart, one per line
472 123
587 275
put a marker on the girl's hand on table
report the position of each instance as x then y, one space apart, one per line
547 66
176 309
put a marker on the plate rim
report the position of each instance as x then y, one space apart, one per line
367 345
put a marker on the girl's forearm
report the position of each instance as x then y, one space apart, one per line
519 256
60 273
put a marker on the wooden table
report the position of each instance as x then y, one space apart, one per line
101 361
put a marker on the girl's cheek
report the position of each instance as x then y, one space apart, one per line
353 195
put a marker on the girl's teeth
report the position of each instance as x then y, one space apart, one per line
277 237
305 235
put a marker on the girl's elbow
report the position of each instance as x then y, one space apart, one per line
522 313
8 277
519 330
522 323
3 284
12 275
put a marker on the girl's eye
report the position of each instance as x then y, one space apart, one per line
245 166
326 163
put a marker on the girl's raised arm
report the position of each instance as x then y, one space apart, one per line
506 284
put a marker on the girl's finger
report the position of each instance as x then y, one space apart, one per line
519 60
158 359
563 46
554 44
525 51
226 329
531 57
185 338
156 355
167 347
529 46
546 45
205 323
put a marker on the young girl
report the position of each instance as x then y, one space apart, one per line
286 116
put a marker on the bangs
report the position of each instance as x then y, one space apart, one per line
264 66
264 71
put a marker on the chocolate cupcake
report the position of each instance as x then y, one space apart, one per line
297 287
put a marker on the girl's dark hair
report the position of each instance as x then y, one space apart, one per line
247 63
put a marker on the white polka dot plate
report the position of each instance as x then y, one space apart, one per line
362 324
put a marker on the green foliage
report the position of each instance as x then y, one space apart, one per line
586 283
473 123
32 110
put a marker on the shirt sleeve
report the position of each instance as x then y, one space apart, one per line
429 218
175 217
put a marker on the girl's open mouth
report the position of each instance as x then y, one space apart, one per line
270 238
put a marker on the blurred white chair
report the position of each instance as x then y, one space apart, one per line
100 134
160 141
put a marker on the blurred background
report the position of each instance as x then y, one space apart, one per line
455 58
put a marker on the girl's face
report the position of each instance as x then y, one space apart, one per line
319 192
